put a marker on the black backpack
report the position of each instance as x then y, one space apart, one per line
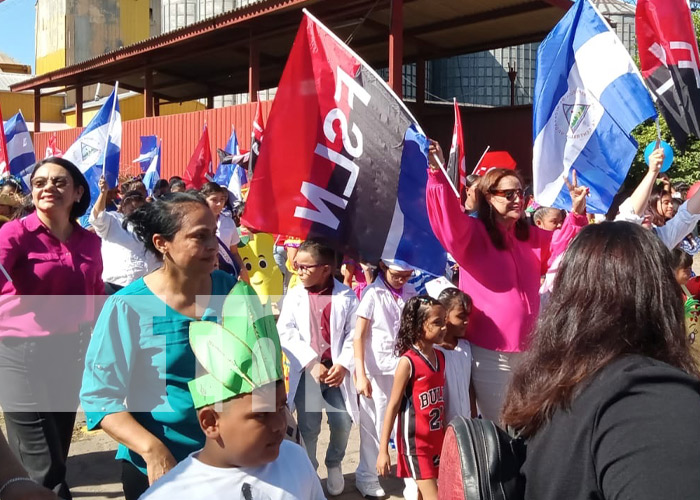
480 461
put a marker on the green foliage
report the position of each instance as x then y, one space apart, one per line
686 164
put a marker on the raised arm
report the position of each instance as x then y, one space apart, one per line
452 227
640 197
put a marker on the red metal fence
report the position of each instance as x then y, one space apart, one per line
180 134
507 128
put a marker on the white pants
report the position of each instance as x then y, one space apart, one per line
491 373
372 413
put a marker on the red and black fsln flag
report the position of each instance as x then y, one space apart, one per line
668 52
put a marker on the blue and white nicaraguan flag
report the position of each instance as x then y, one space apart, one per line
152 175
149 145
20 150
96 151
231 174
589 96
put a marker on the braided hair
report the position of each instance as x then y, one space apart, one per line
413 317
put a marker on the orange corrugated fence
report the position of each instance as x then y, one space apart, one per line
179 134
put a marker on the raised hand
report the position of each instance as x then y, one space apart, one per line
435 155
578 194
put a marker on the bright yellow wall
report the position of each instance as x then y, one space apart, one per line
51 62
134 23
132 109
12 102
88 115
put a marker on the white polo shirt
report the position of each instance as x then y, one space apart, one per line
124 258
290 477
384 312
227 231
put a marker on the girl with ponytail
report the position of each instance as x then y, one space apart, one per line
418 396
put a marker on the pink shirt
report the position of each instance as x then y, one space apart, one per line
54 284
503 284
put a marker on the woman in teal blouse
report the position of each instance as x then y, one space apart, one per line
139 360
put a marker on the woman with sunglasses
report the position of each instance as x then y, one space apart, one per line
52 273
501 259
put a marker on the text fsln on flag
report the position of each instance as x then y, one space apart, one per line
343 159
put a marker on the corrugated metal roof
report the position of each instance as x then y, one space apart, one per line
7 79
211 57
614 7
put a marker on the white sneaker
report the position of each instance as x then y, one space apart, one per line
370 488
410 490
335 484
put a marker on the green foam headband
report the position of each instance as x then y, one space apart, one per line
241 354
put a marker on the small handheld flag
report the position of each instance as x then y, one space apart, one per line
199 169
456 165
152 176
96 151
20 150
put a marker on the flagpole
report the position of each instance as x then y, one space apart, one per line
4 271
481 159
115 91
658 132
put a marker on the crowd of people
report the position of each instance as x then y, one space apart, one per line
574 332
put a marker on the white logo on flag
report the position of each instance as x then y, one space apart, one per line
87 151
574 116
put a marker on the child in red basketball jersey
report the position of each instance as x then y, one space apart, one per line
417 397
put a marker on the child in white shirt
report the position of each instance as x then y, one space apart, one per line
378 321
458 355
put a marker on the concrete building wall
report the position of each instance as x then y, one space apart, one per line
180 13
482 78
177 14
50 35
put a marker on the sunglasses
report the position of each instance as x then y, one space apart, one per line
508 194
42 182
305 268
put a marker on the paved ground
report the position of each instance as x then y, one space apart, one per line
93 474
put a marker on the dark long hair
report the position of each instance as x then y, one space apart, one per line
80 206
486 215
413 317
614 295
162 216
657 193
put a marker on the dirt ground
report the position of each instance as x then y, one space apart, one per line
93 474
